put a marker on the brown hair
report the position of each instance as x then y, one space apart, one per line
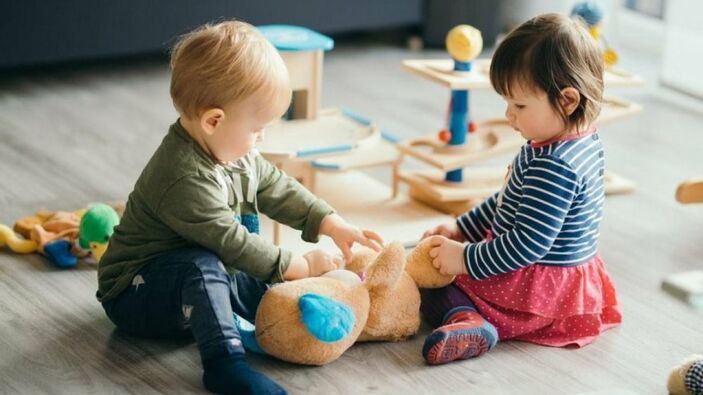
551 52
219 64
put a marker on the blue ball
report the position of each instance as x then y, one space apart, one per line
590 11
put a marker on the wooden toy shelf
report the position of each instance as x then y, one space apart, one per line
489 139
441 71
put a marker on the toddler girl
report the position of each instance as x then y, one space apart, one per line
527 258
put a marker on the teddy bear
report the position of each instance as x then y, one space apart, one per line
376 297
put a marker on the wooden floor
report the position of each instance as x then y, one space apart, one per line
78 135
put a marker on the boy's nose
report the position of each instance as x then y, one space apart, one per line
260 136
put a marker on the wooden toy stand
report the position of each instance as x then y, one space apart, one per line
439 187
313 141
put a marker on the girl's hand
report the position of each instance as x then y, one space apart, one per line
447 255
450 231
321 262
345 235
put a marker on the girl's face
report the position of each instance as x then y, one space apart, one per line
530 113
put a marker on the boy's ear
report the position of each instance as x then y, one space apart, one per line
569 100
211 119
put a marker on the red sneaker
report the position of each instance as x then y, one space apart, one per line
465 335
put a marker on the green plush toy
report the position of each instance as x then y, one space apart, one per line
97 225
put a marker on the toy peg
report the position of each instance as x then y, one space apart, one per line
592 14
463 43
444 135
690 191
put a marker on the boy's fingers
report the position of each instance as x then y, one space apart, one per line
347 253
372 244
372 236
366 242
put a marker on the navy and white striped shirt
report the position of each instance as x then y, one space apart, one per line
548 213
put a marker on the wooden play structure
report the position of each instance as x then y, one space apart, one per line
313 140
330 144
450 186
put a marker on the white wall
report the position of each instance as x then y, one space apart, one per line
682 60
514 12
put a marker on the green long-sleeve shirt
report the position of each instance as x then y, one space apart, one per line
184 198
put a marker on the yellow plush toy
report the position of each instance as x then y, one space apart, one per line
314 320
15 243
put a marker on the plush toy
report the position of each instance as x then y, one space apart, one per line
15 243
393 284
687 378
96 227
314 320
55 238
24 226
54 234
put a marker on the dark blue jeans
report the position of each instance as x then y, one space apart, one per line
185 293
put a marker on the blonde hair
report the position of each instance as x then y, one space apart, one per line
551 52
224 63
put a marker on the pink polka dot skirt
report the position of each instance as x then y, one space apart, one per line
548 305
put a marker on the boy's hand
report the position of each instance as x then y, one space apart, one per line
321 262
345 235
450 231
447 255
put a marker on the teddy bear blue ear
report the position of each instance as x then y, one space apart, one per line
326 319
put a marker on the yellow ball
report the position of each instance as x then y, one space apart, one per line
610 57
464 42
595 31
